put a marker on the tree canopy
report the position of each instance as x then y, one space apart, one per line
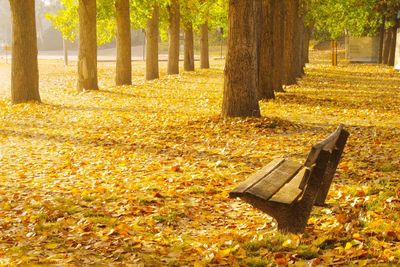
196 11
359 17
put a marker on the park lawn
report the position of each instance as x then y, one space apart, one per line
140 174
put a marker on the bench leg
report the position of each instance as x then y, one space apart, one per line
291 219
331 169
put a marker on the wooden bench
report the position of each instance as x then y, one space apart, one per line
288 190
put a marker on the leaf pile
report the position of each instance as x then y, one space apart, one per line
140 175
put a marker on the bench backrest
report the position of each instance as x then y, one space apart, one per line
334 142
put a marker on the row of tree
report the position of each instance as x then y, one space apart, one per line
268 40
331 18
99 21
388 30
267 48
163 18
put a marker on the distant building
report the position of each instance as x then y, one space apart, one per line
362 49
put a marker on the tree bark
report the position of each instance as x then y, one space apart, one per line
392 50
278 45
381 41
298 70
87 64
386 47
152 33
240 86
306 45
123 74
265 72
334 52
173 44
290 38
204 55
258 27
24 68
188 63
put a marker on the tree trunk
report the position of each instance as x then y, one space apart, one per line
278 45
258 27
173 44
24 69
298 70
306 45
204 55
386 47
265 73
87 64
381 41
392 50
334 52
290 38
65 48
240 87
188 63
152 46
123 74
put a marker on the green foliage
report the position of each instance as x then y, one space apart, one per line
66 20
359 17
219 15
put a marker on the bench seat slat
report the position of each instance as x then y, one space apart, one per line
270 184
255 178
290 192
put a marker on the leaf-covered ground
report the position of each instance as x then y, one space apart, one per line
140 175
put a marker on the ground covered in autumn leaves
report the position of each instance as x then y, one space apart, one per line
140 175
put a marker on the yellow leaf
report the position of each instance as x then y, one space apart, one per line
225 252
199 264
51 246
362 263
348 246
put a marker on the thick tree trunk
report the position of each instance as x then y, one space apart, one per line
152 46
123 74
278 45
298 70
24 68
87 64
204 55
265 72
392 50
381 41
65 48
257 11
173 44
290 38
386 46
188 63
240 87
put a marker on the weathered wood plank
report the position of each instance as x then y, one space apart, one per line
326 144
256 177
270 184
290 192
